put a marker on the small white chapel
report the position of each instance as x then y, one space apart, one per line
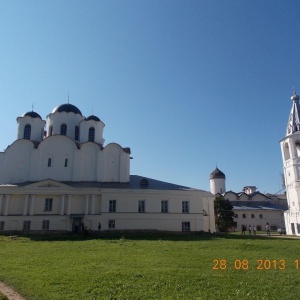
59 176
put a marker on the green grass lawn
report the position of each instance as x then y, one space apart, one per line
151 266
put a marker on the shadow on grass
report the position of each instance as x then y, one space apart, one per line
149 235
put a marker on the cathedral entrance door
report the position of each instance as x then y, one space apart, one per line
76 225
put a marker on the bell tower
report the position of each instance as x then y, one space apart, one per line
290 149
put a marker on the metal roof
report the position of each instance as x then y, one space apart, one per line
136 182
256 205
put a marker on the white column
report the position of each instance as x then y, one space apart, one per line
86 204
25 209
32 204
6 205
62 207
1 197
69 205
93 205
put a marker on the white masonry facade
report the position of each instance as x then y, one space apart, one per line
290 149
58 176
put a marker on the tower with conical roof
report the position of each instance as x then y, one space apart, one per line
290 149
217 182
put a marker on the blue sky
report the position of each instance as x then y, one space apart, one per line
187 85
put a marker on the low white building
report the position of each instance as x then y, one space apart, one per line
59 176
250 206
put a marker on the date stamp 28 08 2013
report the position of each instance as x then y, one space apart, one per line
258 264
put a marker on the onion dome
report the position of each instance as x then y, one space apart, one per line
217 174
295 97
92 117
32 114
67 108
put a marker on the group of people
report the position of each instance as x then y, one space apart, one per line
250 228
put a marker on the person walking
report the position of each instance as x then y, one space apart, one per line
250 228
268 229
254 229
243 229
99 226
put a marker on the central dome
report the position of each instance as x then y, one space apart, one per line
67 108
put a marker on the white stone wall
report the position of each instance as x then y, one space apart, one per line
37 127
217 185
84 131
273 217
22 162
55 120
92 205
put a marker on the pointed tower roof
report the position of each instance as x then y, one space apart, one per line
294 119
217 174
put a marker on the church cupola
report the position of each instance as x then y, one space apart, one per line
91 130
64 120
217 182
294 119
31 126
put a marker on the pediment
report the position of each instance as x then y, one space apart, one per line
48 184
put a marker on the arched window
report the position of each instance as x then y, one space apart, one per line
63 129
286 150
76 133
243 216
260 216
50 130
252 216
297 146
92 134
27 132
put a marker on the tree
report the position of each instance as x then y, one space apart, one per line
223 214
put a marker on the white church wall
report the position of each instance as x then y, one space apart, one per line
57 148
17 161
55 120
115 164
84 131
89 155
37 127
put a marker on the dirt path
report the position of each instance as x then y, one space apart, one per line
9 292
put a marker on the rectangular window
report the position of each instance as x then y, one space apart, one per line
185 207
48 204
49 162
26 225
66 162
186 226
141 206
45 224
164 206
111 224
1 225
112 205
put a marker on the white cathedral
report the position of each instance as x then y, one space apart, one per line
58 176
290 149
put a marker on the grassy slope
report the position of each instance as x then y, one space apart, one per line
148 267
